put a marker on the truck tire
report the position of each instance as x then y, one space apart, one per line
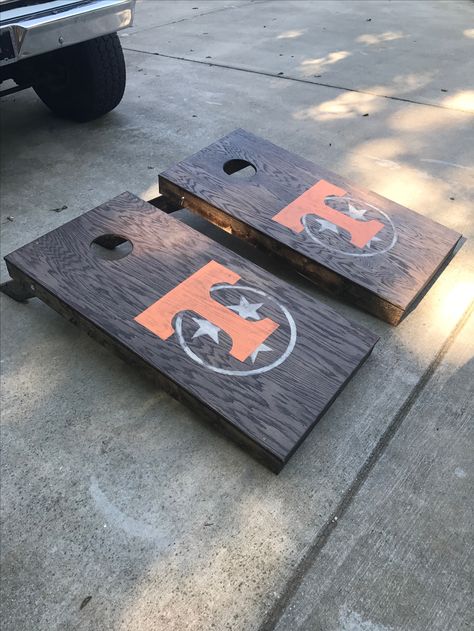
89 79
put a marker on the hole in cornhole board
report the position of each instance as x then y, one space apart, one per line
111 247
241 169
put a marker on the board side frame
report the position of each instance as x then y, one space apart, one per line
329 281
205 413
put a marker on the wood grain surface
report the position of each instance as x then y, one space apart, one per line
387 276
268 410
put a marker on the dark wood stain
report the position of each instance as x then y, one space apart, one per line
268 413
388 284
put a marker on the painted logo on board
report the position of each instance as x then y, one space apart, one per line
226 327
341 223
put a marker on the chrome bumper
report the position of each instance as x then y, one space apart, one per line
41 28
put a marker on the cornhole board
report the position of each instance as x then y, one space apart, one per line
259 358
377 254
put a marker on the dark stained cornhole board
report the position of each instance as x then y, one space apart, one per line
377 254
259 358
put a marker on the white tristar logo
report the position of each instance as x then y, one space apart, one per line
197 328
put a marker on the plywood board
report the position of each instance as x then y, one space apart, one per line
260 359
351 242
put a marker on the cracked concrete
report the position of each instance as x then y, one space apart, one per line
110 489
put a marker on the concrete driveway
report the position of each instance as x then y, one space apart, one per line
120 509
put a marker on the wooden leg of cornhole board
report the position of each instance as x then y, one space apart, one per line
19 291
168 204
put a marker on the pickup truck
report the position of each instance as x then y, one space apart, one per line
68 51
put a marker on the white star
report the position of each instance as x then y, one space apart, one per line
263 348
326 225
356 213
247 310
370 242
207 328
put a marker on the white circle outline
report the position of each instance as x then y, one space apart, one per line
333 249
241 373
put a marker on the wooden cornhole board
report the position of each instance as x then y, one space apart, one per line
256 356
375 253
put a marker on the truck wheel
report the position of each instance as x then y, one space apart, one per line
89 78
